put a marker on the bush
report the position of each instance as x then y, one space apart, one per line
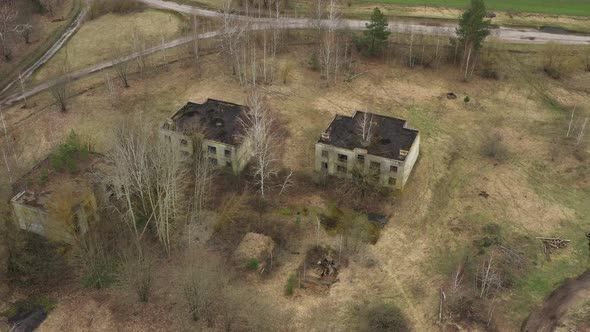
494 148
67 153
314 62
492 236
466 99
291 284
381 316
253 264
34 261
103 7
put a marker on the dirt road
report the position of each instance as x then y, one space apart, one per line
51 51
556 305
510 35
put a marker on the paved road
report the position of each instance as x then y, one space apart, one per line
51 51
511 35
506 34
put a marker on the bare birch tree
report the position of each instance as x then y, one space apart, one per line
260 132
167 183
60 91
121 68
129 177
366 128
8 15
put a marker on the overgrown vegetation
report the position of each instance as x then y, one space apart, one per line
379 315
68 153
102 7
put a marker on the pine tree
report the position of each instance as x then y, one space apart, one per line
375 37
472 30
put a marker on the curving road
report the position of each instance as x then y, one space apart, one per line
510 35
51 51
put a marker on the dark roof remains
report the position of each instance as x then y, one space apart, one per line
390 135
217 120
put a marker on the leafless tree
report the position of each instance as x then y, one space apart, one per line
25 31
50 6
149 178
261 134
366 128
203 178
60 91
329 51
8 15
139 43
232 40
129 177
488 277
195 48
121 68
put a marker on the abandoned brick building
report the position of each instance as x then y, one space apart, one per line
217 126
370 143
59 205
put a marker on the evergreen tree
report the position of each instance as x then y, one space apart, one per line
472 30
375 37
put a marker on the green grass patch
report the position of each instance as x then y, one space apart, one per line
253 264
291 284
562 7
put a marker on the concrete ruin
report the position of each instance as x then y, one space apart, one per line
374 144
35 200
213 125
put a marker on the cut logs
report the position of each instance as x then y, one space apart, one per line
550 244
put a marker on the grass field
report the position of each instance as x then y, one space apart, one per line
563 7
539 189
105 37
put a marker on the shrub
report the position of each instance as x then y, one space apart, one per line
381 316
44 177
314 61
98 275
102 7
466 99
253 264
492 236
66 154
494 148
291 283
34 261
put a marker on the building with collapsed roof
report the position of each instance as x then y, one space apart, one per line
374 144
215 125
57 204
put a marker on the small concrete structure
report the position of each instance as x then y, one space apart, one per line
254 246
215 126
386 148
35 200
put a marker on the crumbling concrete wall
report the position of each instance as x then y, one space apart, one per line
391 173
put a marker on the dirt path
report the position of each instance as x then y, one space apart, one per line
556 305
52 50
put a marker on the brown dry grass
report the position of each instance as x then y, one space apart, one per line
432 222
108 36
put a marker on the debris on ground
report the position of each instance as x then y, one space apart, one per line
319 269
484 194
451 95
551 244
